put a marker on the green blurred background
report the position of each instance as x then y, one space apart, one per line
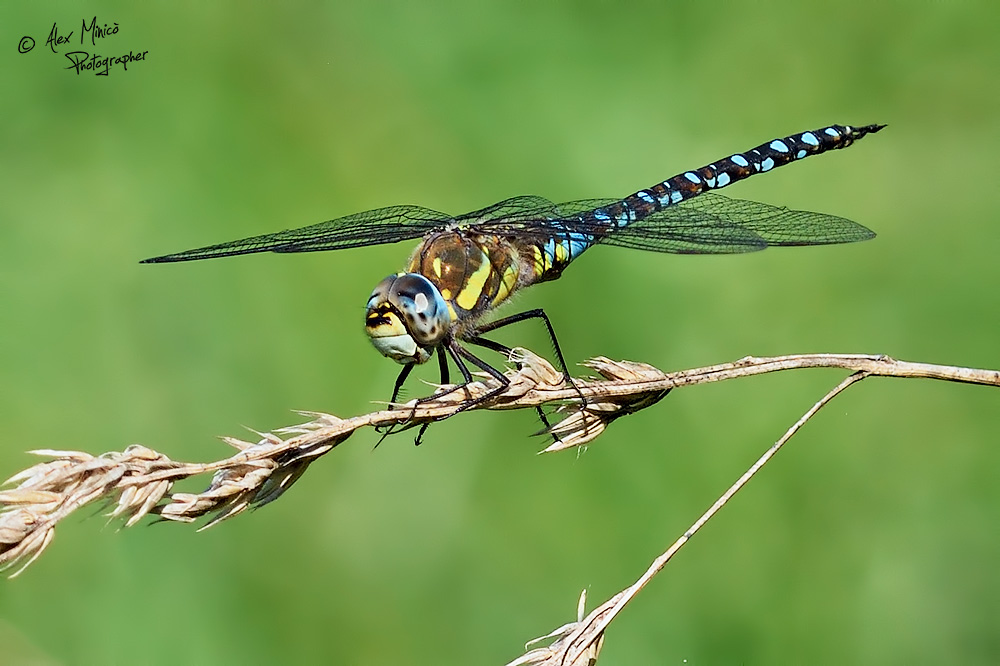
872 539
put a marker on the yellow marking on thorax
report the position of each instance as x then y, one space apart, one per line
507 283
436 265
473 287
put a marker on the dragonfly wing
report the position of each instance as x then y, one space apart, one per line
779 225
492 218
702 236
371 227
536 219
533 218
714 224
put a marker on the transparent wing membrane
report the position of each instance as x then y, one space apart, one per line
714 224
371 227
707 224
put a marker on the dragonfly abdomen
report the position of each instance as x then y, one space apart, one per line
739 166
552 256
549 258
729 170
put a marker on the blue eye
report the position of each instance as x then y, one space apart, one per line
407 317
422 306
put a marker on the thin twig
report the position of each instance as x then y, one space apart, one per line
583 638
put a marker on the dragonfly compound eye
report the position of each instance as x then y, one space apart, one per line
406 318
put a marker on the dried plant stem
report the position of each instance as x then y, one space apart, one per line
579 643
138 481
588 632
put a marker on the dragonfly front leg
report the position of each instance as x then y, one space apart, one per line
407 369
445 379
397 387
457 354
403 374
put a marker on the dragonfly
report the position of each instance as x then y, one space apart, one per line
466 266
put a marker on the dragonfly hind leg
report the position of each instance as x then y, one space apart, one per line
508 352
537 313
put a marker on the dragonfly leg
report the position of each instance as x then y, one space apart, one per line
460 356
457 354
537 313
507 351
443 365
403 374
445 375
445 379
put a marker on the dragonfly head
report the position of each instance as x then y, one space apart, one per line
407 318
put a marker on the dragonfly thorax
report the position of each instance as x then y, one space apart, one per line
407 318
472 272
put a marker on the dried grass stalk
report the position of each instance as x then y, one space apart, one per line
137 481
579 643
